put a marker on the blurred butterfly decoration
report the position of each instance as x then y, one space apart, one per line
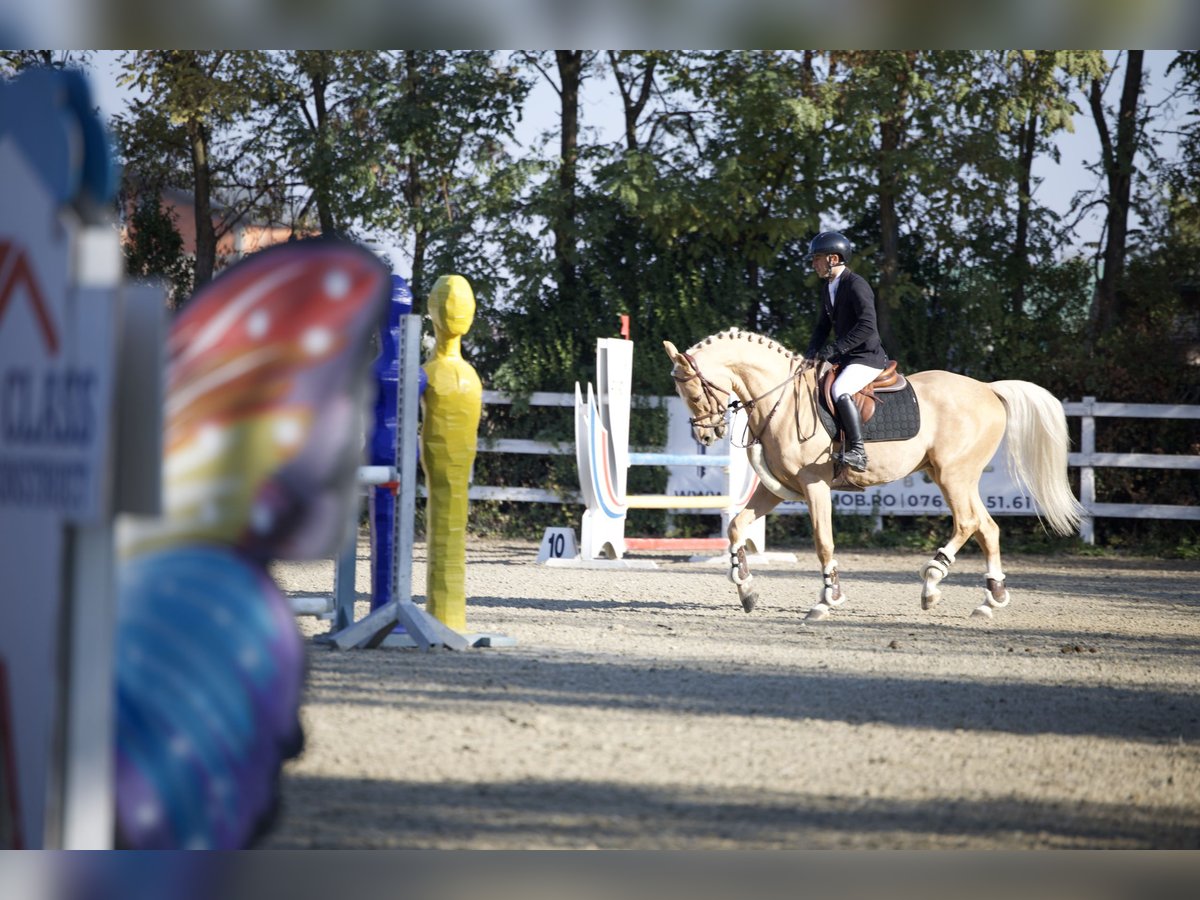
268 384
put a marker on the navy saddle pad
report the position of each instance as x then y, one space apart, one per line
897 417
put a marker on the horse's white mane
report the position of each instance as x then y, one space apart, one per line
735 334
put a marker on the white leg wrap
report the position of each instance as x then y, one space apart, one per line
932 574
938 567
831 592
995 594
739 572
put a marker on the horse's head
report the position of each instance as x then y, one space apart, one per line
705 401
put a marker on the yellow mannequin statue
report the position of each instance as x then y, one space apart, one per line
452 406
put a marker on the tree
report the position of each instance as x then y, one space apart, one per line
732 182
1032 105
13 61
926 170
1117 162
197 127
879 96
571 68
331 136
634 76
1178 219
154 248
445 117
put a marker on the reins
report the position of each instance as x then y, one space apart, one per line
748 406
714 417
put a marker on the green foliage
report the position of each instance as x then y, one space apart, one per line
13 61
446 118
329 135
154 248
200 125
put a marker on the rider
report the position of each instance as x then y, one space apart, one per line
848 305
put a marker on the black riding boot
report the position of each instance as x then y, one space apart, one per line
853 453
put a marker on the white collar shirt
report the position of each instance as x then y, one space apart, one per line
833 286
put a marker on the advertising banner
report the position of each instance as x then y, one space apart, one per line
913 495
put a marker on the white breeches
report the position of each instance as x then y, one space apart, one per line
853 378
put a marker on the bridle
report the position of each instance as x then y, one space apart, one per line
714 417
712 396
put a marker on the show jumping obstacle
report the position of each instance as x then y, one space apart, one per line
602 453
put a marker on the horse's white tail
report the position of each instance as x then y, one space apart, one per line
1037 450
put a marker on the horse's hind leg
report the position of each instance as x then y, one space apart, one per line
995 594
971 518
962 496
820 510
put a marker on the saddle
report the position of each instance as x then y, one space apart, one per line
888 381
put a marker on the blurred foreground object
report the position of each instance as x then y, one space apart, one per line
80 394
267 391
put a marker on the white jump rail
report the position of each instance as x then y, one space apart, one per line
1087 460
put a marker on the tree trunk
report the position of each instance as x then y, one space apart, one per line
320 86
206 238
1027 141
889 227
1107 303
570 71
633 108
892 133
420 246
414 188
753 277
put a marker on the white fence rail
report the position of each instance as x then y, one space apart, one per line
1087 460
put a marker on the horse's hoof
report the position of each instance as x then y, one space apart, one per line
818 612
749 601
982 611
929 601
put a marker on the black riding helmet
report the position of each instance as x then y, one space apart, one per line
831 242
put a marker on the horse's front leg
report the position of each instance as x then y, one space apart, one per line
762 501
820 511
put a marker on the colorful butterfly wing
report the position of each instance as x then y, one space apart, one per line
267 380
267 390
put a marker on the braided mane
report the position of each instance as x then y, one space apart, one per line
736 334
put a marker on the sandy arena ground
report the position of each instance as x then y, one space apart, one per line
643 709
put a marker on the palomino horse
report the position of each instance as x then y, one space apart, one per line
961 424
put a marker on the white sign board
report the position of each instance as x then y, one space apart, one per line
55 362
56 382
558 543
693 481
